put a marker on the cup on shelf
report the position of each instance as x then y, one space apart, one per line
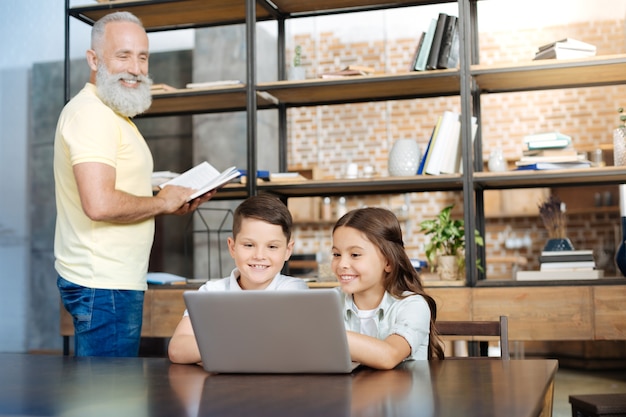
352 170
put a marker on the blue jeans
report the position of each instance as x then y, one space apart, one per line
106 322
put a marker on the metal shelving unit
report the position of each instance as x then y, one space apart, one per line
469 82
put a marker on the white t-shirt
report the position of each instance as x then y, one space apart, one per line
369 326
279 283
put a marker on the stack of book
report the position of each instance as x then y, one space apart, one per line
550 150
567 48
559 265
438 47
443 151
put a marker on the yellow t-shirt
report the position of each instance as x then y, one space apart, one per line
90 253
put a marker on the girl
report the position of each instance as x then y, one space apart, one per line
388 315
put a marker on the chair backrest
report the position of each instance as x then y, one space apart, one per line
499 328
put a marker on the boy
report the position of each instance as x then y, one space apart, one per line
260 245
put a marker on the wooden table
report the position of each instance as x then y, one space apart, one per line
61 385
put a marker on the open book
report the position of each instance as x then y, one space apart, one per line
203 178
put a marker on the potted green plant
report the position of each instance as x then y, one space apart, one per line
298 72
446 249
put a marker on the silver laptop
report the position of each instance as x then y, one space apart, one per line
270 331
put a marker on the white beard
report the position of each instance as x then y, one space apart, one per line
128 102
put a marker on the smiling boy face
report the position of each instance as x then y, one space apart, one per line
260 250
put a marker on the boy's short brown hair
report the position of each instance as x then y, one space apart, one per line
267 208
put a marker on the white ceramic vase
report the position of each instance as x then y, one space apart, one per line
404 158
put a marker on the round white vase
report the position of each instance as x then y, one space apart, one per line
404 158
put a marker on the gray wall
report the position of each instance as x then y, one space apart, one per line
219 54
14 227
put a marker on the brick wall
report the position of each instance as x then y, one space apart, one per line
328 137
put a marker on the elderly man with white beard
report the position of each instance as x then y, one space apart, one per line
104 197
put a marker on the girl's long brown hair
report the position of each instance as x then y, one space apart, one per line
381 227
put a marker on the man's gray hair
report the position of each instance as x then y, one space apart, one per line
97 32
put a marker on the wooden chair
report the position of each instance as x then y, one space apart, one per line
479 329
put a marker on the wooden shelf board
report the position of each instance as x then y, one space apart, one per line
364 88
387 185
551 74
173 14
187 101
565 177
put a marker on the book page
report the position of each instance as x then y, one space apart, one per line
203 178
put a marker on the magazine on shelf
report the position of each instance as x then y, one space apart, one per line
203 178
545 166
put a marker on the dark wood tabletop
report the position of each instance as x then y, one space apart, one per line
50 385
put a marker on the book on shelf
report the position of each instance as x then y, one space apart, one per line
531 159
349 71
422 57
569 43
547 140
452 157
562 53
446 42
546 166
420 42
573 265
566 48
261 174
164 278
453 57
204 177
210 84
443 154
566 256
549 144
429 149
545 137
433 55
161 88
287 177
459 155
568 151
420 168
451 162
559 275
275 177
444 137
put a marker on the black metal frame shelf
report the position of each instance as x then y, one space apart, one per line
468 82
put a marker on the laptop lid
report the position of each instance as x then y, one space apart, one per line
270 331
